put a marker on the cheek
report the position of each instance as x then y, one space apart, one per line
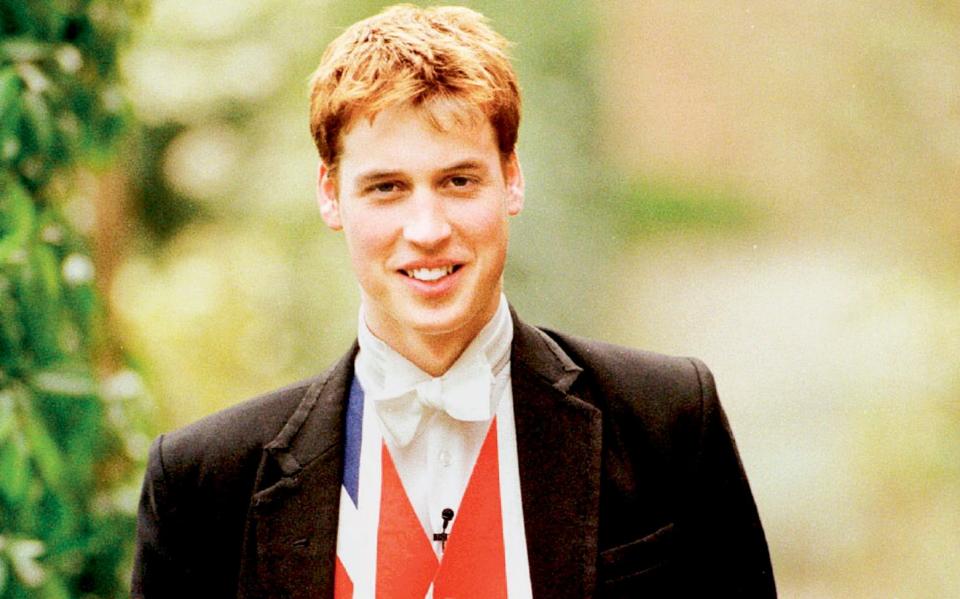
367 243
493 235
484 223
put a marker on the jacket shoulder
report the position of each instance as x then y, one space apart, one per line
638 377
662 403
227 439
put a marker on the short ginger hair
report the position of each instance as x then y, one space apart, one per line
436 58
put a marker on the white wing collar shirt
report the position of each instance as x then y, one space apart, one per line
434 428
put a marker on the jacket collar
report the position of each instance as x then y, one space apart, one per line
290 546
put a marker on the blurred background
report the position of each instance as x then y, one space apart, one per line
772 188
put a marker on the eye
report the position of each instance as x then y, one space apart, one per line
383 188
460 181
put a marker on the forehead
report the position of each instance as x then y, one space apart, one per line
416 138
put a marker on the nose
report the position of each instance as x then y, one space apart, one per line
427 224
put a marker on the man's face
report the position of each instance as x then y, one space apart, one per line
424 213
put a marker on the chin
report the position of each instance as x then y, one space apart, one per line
448 319
438 322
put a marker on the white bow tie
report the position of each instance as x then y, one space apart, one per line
463 392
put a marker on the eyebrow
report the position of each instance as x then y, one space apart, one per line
466 165
371 177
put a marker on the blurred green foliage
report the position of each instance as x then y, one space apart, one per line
68 451
643 206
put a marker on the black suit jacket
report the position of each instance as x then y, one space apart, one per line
630 479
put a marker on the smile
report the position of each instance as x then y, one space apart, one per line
430 274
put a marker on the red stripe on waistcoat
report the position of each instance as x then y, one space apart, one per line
406 564
342 585
473 564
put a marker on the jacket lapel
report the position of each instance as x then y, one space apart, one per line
290 540
558 446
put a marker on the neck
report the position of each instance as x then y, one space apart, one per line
431 352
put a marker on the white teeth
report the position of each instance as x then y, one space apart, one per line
429 274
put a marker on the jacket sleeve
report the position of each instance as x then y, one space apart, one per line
721 520
154 566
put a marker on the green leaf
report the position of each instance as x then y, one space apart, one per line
7 417
39 300
16 218
47 265
44 452
54 587
15 468
4 574
10 89
40 121
11 332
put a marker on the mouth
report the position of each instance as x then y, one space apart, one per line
430 275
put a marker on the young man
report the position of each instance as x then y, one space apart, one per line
454 451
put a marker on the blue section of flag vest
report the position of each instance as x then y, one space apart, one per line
354 436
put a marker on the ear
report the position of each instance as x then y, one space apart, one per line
327 198
513 176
